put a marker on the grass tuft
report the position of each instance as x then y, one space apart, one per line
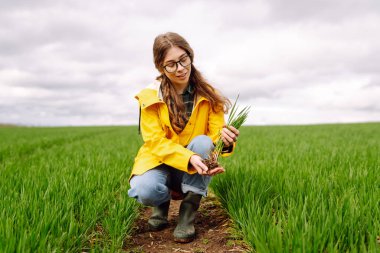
236 119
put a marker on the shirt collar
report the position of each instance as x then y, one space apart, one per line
189 89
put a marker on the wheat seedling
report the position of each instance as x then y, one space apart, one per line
235 119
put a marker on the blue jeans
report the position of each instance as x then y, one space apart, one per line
153 187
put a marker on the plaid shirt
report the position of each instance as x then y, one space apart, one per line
188 100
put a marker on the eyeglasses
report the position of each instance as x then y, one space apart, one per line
173 66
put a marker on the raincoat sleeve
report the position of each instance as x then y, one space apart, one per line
167 151
215 125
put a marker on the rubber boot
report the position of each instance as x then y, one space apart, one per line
159 218
185 231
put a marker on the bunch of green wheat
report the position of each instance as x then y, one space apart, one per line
235 119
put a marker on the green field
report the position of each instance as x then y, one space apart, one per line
288 188
65 189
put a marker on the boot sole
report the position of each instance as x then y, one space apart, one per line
184 240
158 228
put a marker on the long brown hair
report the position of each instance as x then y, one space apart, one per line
177 115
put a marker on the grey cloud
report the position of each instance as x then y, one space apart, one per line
65 36
17 5
373 83
321 10
253 15
80 62
370 108
60 108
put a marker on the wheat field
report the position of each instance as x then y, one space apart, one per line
287 188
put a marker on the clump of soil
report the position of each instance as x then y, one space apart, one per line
213 226
212 161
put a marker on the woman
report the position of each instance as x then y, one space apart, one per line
181 119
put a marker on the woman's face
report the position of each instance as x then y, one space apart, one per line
174 62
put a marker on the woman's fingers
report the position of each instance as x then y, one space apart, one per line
197 163
229 133
225 141
226 138
202 169
216 171
202 166
229 136
234 130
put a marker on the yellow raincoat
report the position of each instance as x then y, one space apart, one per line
161 143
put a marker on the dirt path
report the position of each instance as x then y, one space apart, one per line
214 232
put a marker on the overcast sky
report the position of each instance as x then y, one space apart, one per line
294 62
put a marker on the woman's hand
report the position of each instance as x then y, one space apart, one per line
229 136
201 168
215 171
197 163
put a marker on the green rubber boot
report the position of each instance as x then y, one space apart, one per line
159 218
185 231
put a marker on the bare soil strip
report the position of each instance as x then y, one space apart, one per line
213 226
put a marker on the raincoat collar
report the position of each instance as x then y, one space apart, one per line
152 94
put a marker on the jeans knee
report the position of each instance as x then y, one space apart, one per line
150 194
202 145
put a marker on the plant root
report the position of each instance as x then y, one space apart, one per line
211 162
